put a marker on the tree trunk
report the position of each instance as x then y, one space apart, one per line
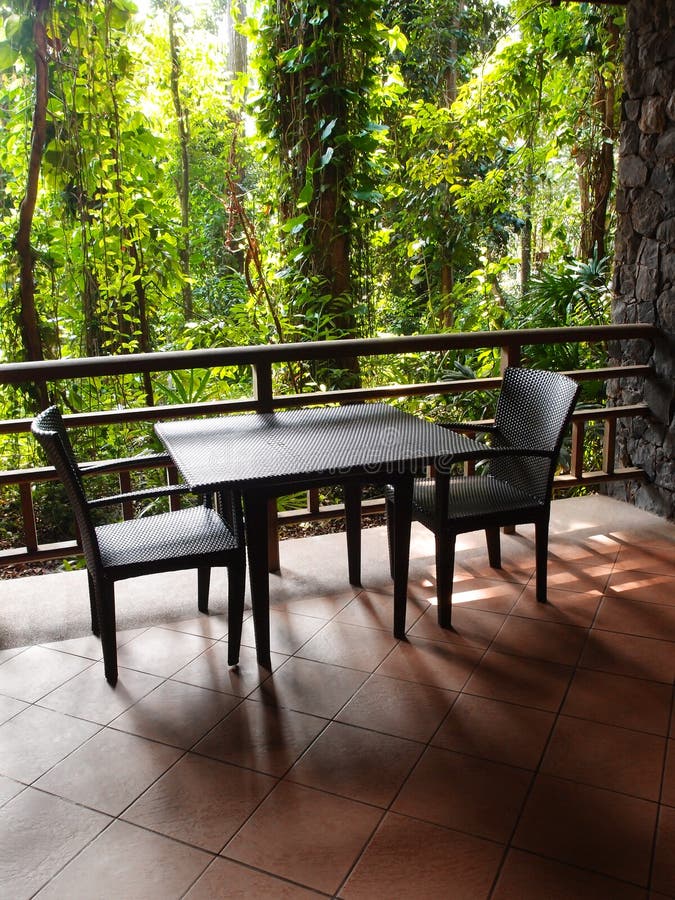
236 42
184 179
30 329
596 165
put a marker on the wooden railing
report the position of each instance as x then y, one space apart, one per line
261 359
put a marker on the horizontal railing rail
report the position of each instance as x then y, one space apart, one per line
262 359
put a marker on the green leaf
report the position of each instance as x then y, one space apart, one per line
326 157
294 225
306 194
328 129
8 55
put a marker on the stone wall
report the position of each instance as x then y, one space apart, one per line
644 287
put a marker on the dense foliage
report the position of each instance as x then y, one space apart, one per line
377 166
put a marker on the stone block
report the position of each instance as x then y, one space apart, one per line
661 179
665 146
670 106
648 147
668 269
646 291
665 308
648 254
632 171
632 113
647 212
665 233
653 115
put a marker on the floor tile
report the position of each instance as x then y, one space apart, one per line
663 876
374 610
397 707
89 646
617 700
129 862
515 679
228 880
528 877
463 792
470 627
200 801
310 687
653 620
441 665
210 670
489 594
36 739
655 555
357 763
581 577
409 858
40 834
33 673
668 795
618 759
628 654
589 827
517 563
319 605
161 651
9 788
89 696
350 646
176 713
261 737
8 652
9 707
549 641
305 835
109 771
204 625
566 607
642 587
503 732
288 631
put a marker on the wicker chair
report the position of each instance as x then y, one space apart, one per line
533 411
195 537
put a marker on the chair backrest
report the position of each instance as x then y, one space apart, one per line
533 411
50 431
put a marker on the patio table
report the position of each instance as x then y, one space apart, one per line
265 455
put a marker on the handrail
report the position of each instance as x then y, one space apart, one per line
262 358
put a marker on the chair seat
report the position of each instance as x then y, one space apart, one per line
475 495
188 532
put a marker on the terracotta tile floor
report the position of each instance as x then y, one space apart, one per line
529 753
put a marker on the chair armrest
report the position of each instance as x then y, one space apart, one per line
495 452
143 494
112 465
478 427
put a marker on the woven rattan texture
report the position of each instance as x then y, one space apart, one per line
532 411
303 443
474 496
187 532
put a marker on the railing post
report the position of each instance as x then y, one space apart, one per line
125 488
28 515
263 392
609 446
510 356
172 478
577 460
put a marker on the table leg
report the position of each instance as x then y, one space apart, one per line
403 493
255 517
352 495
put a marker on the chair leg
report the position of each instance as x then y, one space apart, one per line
105 596
541 554
494 547
203 584
236 587
92 605
445 567
389 508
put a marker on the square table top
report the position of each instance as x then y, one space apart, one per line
258 449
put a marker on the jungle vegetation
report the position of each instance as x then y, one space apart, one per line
177 176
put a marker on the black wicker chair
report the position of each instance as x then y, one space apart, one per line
533 411
195 537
